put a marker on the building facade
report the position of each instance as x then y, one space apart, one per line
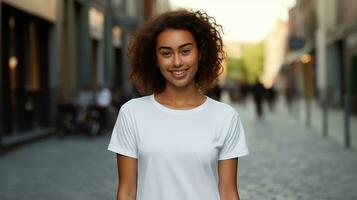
273 60
50 51
326 59
26 49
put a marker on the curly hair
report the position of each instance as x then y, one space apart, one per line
142 49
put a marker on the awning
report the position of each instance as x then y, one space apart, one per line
297 54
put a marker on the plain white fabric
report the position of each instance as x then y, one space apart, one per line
178 150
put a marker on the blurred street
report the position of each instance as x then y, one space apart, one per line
65 70
289 161
286 161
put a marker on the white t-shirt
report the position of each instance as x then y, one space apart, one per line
178 150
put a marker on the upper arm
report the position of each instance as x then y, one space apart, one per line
227 172
127 172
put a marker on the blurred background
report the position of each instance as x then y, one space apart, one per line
290 71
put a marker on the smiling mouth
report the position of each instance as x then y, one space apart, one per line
178 74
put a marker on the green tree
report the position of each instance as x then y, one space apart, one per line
249 66
236 69
252 56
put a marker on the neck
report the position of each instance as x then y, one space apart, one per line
181 98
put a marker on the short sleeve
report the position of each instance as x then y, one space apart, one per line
123 140
234 143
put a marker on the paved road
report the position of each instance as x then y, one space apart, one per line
72 168
286 161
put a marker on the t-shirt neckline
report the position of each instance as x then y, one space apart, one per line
178 111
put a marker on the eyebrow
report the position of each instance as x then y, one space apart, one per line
181 46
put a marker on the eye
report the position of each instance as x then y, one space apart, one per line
165 53
185 51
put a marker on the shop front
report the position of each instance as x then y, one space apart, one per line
24 74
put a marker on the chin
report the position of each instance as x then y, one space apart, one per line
179 84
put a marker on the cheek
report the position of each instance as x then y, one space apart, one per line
193 61
163 62
163 65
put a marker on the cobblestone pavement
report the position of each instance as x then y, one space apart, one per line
286 161
72 168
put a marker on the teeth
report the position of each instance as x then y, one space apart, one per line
179 74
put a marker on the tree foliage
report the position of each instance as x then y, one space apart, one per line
249 66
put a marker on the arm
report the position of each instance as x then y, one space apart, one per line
127 172
227 172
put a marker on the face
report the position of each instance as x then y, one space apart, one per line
177 57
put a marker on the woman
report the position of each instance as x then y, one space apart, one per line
176 143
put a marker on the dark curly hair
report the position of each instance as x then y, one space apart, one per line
142 49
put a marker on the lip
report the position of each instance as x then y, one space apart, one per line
178 74
178 70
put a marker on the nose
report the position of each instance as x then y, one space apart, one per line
177 61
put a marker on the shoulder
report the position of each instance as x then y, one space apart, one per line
136 104
223 109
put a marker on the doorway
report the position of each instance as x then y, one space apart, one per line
24 67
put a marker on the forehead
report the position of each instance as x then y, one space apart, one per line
174 38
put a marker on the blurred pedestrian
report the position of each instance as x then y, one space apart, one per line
271 95
103 103
244 91
290 92
85 99
176 140
258 94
